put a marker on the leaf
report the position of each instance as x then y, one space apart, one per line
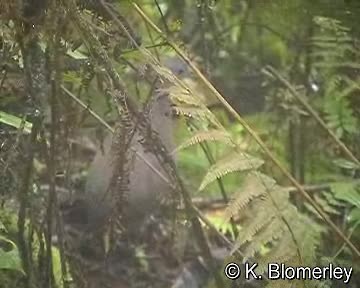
72 78
15 122
10 259
264 236
255 185
211 135
221 226
326 206
234 162
265 215
180 95
347 191
77 55
354 216
343 163
200 114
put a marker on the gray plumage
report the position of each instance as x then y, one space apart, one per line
145 185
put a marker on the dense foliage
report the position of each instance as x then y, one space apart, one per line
74 70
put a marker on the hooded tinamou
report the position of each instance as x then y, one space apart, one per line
145 187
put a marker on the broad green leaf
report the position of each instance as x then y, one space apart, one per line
76 55
347 191
10 259
354 215
15 121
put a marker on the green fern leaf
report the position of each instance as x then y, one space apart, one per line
181 96
348 192
333 201
209 136
234 162
255 185
199 114
325 205
270 233
255 223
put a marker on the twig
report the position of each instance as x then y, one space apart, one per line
166 27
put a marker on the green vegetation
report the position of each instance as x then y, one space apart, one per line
266 100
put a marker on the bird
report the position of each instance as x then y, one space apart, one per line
145 186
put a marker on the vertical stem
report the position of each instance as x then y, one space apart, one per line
24 202
54 80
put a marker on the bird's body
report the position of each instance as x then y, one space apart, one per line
145 185
146 189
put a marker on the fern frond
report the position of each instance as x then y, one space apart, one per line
330 38
331 25
310 238
264 223
256 222
335 64
182 96
325 205
292 241
235 162
164 73
347 191
333 201
280 197
286 284
208 136
312 211
198 114
271 232
286 252
282 251
251 188
280 284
